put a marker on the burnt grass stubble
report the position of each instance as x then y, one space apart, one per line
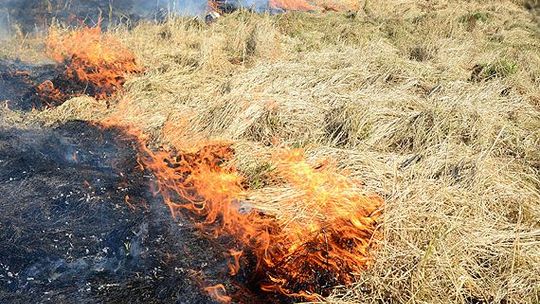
68 236
19 85
19 81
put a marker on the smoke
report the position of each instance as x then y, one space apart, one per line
178 7
256 5
5 27
31 16
195 7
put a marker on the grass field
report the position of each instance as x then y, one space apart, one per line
435 105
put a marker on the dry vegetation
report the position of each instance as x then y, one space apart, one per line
435 105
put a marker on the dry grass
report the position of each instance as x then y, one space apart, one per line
435 105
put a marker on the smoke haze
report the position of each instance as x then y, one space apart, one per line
32 15
5 31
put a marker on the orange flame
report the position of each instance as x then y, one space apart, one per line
321 235
218 293
95 64
321 238
234 267
326 236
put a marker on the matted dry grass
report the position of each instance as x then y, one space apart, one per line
435 105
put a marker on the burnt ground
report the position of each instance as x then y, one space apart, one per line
68 236
18 81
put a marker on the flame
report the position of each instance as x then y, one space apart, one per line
218 293
94 63
326 235
48 94
234 267
320 238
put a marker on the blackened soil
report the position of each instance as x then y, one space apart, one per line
67 234
18 83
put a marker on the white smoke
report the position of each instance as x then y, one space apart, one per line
186 7
170 7
5 27
193 7
29 15
256 5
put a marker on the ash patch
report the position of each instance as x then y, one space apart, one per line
67 234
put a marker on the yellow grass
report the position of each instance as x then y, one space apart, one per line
434 104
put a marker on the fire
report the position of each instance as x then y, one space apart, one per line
93 64
48 94
321 237
218 293
314 232
234 267
327 228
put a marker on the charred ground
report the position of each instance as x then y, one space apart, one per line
68 235
19 82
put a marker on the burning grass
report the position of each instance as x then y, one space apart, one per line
93 64
322 241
